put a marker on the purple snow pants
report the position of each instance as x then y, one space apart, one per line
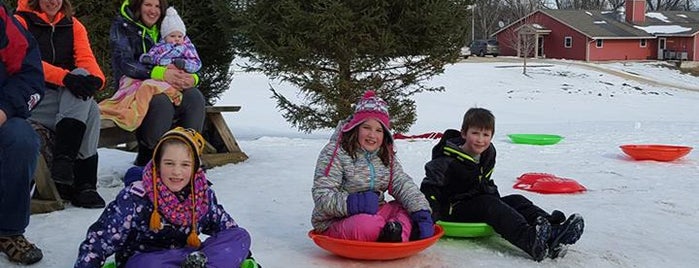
366 227
227 248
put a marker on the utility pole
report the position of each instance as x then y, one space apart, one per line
473 21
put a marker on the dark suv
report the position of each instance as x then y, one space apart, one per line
484 47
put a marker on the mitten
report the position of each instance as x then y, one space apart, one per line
423 221
362 202
179 63
82 86
146 59
134 173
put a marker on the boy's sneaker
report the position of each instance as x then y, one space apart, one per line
391 232
539 248
196 259
19 250
565 234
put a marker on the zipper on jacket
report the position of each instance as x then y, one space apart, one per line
372 171
53 46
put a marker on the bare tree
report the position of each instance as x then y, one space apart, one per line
523 39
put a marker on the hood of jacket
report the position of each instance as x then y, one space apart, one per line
23 6
125 12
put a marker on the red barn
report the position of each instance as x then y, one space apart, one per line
604 35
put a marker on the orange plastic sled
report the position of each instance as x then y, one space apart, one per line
547 184
363 250
655 152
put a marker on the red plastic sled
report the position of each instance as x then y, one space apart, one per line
363 250
547 184
655 152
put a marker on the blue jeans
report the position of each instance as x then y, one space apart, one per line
19 149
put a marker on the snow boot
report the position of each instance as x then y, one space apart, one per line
539 246
565 234
556 217
86 195
69 136
196 259
391 232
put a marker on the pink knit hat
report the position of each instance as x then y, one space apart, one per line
369 106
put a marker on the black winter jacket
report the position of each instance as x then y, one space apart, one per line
453 176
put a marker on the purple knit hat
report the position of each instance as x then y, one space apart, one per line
369 106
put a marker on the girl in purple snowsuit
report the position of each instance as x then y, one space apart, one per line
155 222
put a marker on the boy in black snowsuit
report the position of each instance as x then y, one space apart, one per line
459 188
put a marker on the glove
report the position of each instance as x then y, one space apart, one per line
134 173
363 202
422 223
82 86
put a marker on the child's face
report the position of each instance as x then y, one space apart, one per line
477 140
176 166
370 135
175 37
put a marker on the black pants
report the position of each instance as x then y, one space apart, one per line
161 114
512 216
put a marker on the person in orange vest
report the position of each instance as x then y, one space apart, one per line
68 108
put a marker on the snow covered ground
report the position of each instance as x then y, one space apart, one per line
637 213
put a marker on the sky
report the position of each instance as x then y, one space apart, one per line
637 213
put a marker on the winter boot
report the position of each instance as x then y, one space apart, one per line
556 217
145 154
19 250
539 246
86 195
565 234
391 232
69 136
196 259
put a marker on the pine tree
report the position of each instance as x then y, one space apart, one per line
334 50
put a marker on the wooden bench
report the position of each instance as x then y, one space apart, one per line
221 149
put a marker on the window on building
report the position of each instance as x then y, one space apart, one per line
568 42
643 42
599 43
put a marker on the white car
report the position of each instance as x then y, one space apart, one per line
465 52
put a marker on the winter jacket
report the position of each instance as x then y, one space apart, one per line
453 176
346 176
123 228
21 74
164 53
63 43
129 39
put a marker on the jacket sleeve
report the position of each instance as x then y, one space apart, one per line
330 201
433 184
23 85
111 231
406 191
192 63
219 218
84 57
124 56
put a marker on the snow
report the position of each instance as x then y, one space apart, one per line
637 213
657 16
663 29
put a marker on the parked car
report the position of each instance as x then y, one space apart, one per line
484 47
465 52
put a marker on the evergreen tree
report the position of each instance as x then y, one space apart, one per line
333 50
